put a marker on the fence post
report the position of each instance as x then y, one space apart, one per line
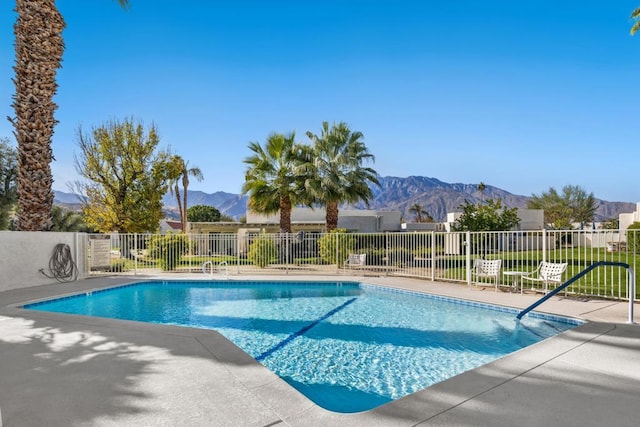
632 293
467 248
286 265
386 251
337 244
433 256
237 253
544 244
135 258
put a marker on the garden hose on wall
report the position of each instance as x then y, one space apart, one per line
61 265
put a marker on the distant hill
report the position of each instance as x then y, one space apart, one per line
394 193
439 197
230 204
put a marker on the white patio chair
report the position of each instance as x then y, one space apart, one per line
355 260
547 273
486 269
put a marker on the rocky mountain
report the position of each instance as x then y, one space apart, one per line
394 193
435 196
234 205
439 197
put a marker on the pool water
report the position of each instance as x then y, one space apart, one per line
347 346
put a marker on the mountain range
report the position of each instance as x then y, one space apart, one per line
394 193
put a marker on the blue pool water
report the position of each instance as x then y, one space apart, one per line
347 346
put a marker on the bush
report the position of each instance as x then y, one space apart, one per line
400 256
336 246
168 249
633 238
375 256
117 266
262 251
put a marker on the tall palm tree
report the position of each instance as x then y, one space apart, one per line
272 179
39 47
418 210
635 15
335 171
180 172
481 187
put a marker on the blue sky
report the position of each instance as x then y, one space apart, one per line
523 95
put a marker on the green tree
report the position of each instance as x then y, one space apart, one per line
562 209
68 220
179 173
611 224
226 218
168 249
271 179
491 216
39 47
334 247
334 170
125 177
635 15
8 181
203 213
263 251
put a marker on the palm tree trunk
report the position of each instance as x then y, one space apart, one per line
39 47
332 216
176 190
185 185
285 214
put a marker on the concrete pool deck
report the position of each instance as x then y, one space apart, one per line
65 370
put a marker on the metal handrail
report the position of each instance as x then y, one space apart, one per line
226 269
218 269
632 290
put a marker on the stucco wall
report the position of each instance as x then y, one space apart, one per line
23 254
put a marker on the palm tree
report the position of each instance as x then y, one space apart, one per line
421 214
68 220
271 178
335 171
39 47
635 15
481 188
179 173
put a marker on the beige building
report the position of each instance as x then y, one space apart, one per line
307 220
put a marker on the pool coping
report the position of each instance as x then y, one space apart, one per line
276 402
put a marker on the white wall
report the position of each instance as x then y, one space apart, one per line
23 254
362 220
297 215
626 219
531 219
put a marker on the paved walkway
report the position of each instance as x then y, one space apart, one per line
64 370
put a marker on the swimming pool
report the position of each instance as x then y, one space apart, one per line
347 346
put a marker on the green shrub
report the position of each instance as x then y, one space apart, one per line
375 256
633 238
422 252
336 246
400 256
168 249
117 266
262 251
